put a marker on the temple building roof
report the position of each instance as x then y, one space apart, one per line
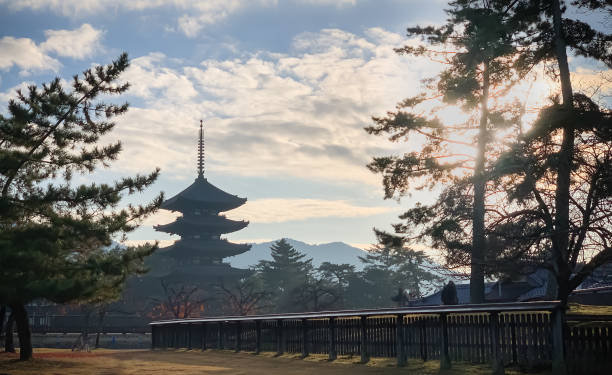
203 195
189 225
197 273
187 248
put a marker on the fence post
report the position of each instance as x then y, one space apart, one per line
498 361
238 336
203 343
168 334
364 340
332 339
445 362
304 338
422 339
257 336
399 340
279 337
220 336
189 336
513 338
558 351
154 335
176 332
165 337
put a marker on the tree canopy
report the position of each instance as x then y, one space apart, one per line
56 237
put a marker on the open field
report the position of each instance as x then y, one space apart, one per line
141 362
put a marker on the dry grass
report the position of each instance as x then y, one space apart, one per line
170 362
576 308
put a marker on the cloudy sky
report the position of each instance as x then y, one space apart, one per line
284 87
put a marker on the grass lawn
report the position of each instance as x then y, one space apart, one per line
162 362
576 308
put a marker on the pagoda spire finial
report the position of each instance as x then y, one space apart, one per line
201 152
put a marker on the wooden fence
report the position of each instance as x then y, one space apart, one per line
80 323
588 344
527 334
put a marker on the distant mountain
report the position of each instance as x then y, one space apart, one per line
333 252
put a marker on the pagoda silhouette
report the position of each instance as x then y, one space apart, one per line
198 255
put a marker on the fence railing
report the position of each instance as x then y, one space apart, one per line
588 344
79 323
526 334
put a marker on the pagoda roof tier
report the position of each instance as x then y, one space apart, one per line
204 272
203 195
202 247
202 224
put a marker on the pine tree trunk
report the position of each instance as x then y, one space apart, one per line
2 317
562 193
23 330
101 315
477 287
9 346
84 338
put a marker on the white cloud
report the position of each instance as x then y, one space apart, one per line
361 246
11 93
24 53
196 14
277 210
28 56
337 3
162 243
299 114
597 84
149 79
78 43
161 217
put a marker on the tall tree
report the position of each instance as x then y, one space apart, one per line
390 266
337 279
316 294
9 346
179 301
287 271
55 236
559 172
2 318
476 45
245 296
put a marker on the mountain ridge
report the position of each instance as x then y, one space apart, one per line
337 252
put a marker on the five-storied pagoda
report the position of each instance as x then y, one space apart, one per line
199 253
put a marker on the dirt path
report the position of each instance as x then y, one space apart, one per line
143 362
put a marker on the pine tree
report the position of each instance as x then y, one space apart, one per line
284 274
55 236
391 266
558 173
480 64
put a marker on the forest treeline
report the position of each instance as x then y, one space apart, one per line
290 283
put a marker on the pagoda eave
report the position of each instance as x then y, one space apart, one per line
183 227
203 195
182 249
209 273
182 204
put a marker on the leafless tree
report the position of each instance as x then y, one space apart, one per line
244 297
180 301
